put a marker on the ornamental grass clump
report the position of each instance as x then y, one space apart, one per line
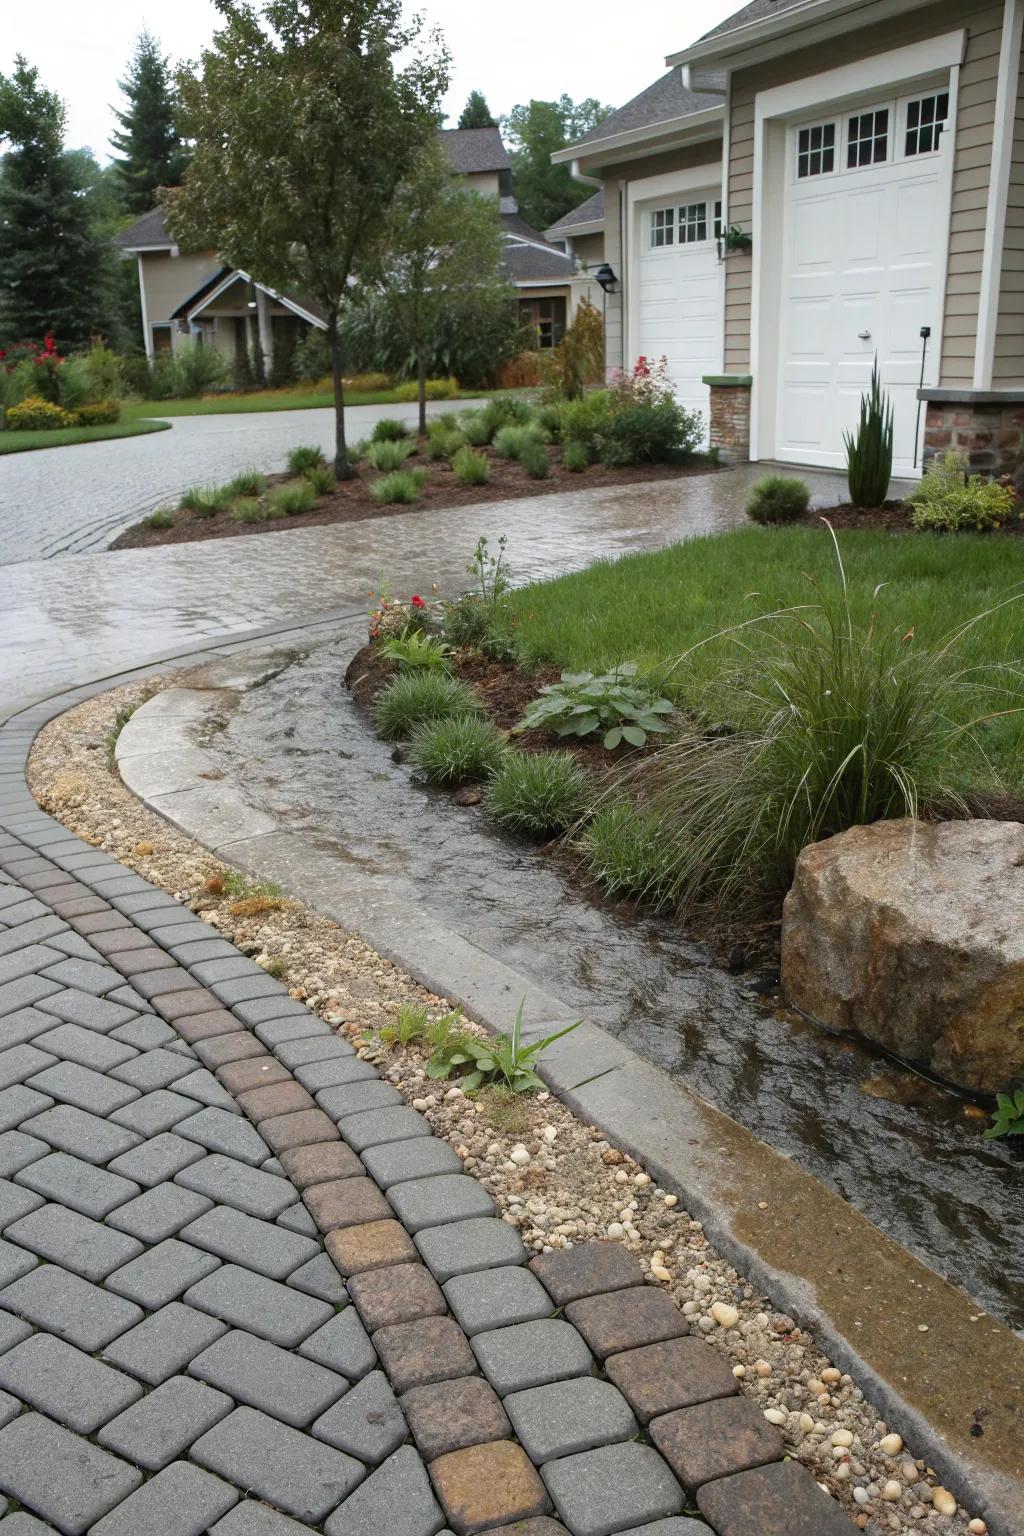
575 456
457 750
389 430
534 460
471 467
778 499
444 445
320 479
413 698
476 428
208 500
290 500
304 457
629 850
249 483
387 455
511 442
403 486
537 794
810 720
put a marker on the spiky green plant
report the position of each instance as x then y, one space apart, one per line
869 453
304 457
457 750
537 793
415 697
403 486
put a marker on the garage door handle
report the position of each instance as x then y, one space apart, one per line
864 335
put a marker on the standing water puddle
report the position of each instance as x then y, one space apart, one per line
908 1155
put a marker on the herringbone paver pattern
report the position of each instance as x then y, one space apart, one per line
243 1289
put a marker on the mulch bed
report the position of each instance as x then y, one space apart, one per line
890 517
350 501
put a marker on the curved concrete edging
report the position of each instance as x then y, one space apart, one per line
809 1250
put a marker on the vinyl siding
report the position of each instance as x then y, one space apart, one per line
974 130
1009 354
168 280
589 248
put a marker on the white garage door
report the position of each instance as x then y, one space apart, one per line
678 292
866 228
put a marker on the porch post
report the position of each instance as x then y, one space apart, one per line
266 330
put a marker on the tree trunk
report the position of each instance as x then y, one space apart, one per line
342 468
421 379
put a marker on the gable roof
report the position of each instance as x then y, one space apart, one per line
662 102
529 263
200 293
589 213
148 229
474 149
757 10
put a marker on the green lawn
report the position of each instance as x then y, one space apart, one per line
276 400
62 437
650 608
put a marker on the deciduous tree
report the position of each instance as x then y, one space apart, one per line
306 115
544 191
150 150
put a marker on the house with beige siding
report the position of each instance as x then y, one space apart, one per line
871 205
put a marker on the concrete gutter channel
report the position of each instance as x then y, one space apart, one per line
863 1295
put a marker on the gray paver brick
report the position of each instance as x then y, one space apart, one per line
243 986
15 1202
228 1133
80 1134
314 1075
372 1127
295 1053
18 1104
354 1098
254 1518
23 1061
250 1301
153 1069
531 1354
202 1085
70 1083
14 1262
86 1046
73 1241
605 1490
12 1331
155 1112
22 1524
77 1007
301 1476
569 1416
342 1344
77 1184
396 1162
70 1307
158 1159
23 1024
156 1429
367 1423
25 991
195 953
229 1182
248 1241
429 1202
26 960
319 1277
17 1151
262 1375
181 1500
163 1343
461 1247
66 1384
162 1273
61 1476
397 1498
146 1033
497 1298
84 976
161 1212
39 928
263 1010
297 1219
10 1407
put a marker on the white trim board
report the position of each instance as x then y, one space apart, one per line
999 189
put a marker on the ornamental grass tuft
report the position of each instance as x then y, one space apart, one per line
458 750
387 455
249 483
538 794
471 467
290 500
208 500
389 430
413 698
403 486
304 457
629 851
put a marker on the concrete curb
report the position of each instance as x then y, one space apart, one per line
719 1169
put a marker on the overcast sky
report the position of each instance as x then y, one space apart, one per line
609 49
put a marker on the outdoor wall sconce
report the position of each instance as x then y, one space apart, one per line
605 277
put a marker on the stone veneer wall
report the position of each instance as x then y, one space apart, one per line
990 433
729 429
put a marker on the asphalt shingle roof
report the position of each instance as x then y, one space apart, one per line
590 212
148 229
474 149
525 263
666 99
757 10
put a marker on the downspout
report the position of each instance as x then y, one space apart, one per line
577 175
1007 85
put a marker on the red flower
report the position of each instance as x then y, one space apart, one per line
417 602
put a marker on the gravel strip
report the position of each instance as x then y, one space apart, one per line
555 1179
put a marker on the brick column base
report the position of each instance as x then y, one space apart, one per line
729 431
989 432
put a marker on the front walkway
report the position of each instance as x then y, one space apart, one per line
245 1291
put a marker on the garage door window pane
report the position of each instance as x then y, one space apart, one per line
693 223
926 119
662 226
816 150
868 142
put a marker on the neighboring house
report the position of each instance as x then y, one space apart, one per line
580 232
874 157
196 296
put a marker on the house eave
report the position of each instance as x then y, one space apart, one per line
815 20
690 128
592 227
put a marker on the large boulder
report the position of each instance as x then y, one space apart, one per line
912 934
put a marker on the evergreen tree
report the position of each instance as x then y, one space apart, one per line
55 266
151 151
476 113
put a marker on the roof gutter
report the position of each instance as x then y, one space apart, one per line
795 18
690 124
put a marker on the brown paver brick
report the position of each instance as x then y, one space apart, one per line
485 1485
345 1203
137 962
374 1245
97 917
399 1295
282 1097
184 1002
674 1374
626 1319
238 1045
119 939
200 1026
778 1500
319 1163
543 1525
715 1439
449 1415
256 1071
587 1270
77 907
428 1350
302 1129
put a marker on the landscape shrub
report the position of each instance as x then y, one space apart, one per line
581 420
534 460
387 455
414 650
403 486
576 456
506 411
581 703
949 500
437 389
99 413
198 369
160 519
523 371
457 750
869 451
476 428
249 511
444 445
549 417
579 358
291 500
34 414
630 852
413 698
312 356
648 432
162 382
249 482
367 383
306 456
208 500
389 430
320 478
106 373
778 499
537 794
74 384
482 617
471 467
511 442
